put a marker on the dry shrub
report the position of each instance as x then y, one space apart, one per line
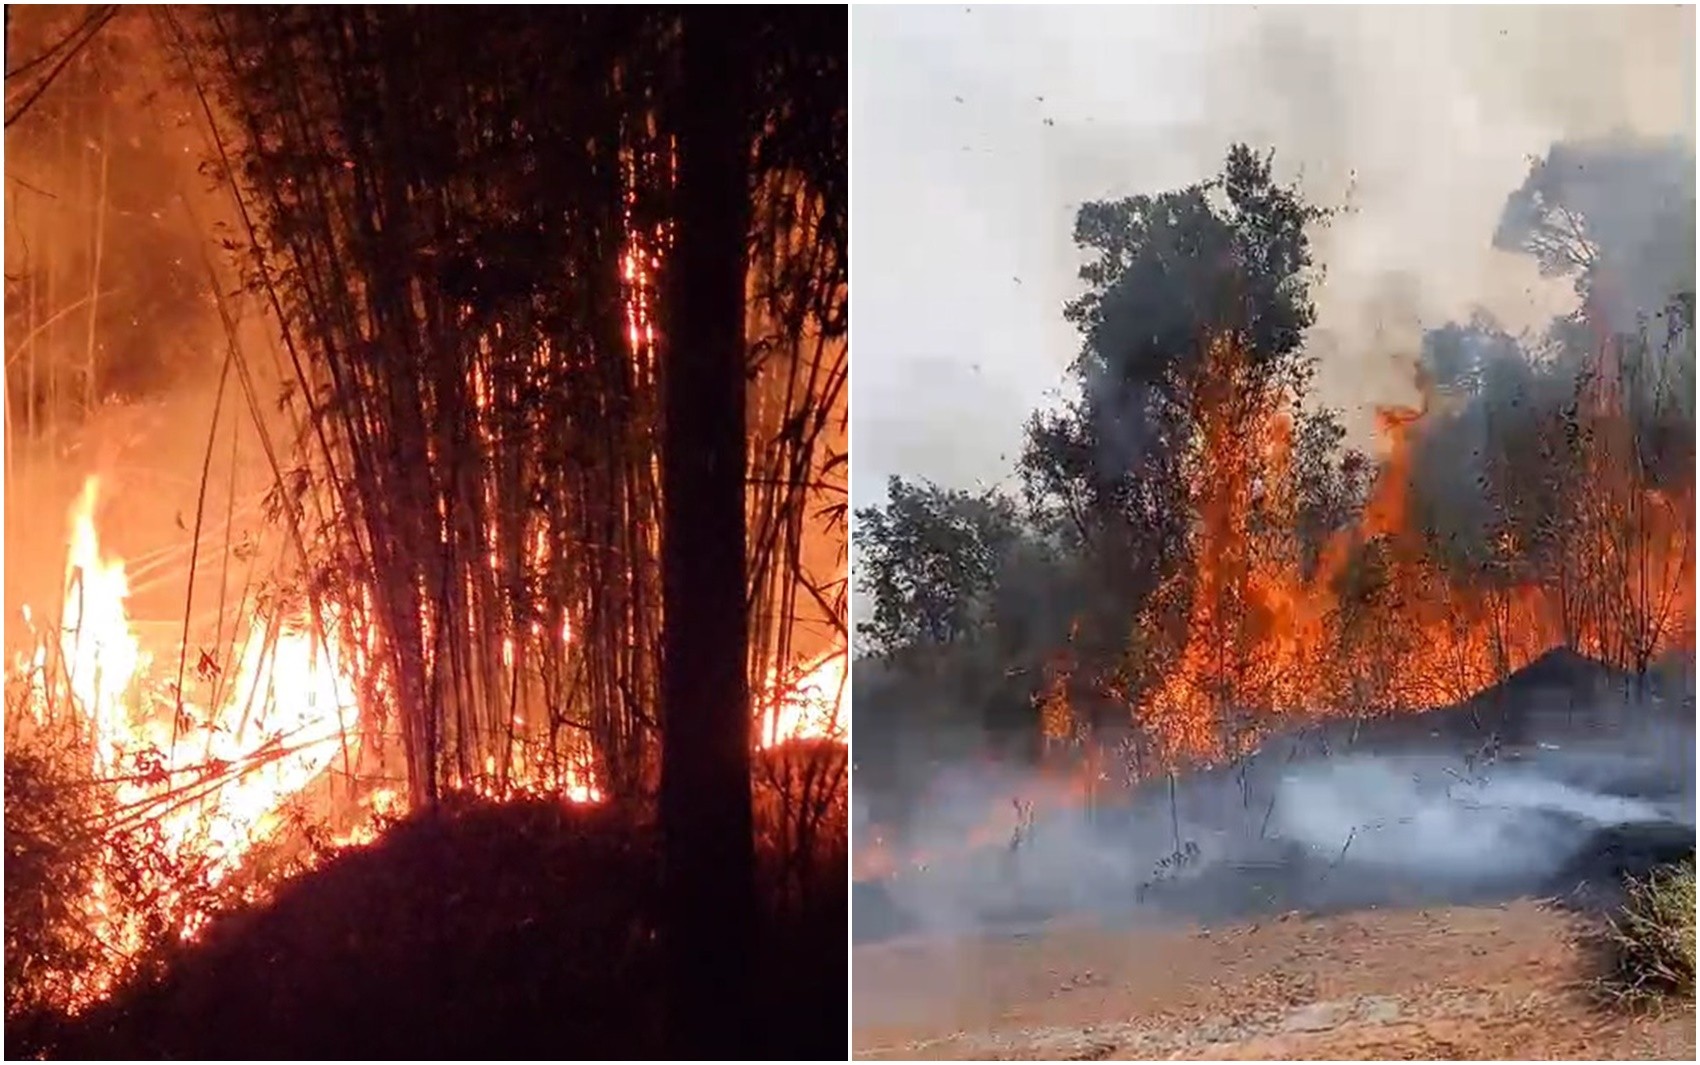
800 805
1649 944
53 856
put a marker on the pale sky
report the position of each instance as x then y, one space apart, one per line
975 132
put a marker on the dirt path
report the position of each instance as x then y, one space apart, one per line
1458 983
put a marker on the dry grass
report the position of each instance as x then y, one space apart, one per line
1649 943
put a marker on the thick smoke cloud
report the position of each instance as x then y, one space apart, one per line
1420 121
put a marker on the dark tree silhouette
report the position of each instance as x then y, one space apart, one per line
705 746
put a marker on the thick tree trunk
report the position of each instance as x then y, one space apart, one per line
706 730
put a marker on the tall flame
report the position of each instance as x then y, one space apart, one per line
104 655
810 707
274 732
1264 639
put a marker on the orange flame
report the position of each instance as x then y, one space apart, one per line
1263 640
212 782
809 707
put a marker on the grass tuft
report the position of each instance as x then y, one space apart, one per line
1649 943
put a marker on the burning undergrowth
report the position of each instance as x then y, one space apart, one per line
138 818
423 559
477 929
146 804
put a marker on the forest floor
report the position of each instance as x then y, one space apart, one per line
1482 982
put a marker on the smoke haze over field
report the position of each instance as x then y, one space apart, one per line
1399 816
978 133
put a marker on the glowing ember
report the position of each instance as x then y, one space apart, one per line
536 771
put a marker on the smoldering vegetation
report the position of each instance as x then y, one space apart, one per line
1558 783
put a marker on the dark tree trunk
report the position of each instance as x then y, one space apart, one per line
705 744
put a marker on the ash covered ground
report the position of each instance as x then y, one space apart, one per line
1554 783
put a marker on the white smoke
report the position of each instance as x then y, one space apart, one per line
1387 826
1418 817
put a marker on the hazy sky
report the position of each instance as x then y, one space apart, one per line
976 131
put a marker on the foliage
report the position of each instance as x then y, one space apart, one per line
53 856
928 559
1615 213
1169 275
69 847
1331 483
1169 279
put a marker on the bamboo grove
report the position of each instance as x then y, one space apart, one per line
478 416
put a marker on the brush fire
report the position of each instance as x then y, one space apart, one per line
222 779
343 391
1265 638
1376 625
1199 565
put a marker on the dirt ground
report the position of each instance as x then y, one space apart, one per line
1455 983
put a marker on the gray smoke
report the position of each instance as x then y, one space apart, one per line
1311 822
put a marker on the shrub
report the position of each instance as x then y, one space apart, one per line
1650 942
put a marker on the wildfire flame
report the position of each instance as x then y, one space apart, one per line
1262 638
289 713
274 732
212 782
811 707
104 655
